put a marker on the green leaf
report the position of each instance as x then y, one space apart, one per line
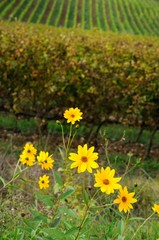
46 199
2 180
85 197
31 224
56 188
121 237
71 231
136 218
54 233
25 229
56 222
67 193
38 216
121 226
67 211
58 179
16 175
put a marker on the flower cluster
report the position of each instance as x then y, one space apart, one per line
84 160
44 160
28 155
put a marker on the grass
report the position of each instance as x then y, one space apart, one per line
114 132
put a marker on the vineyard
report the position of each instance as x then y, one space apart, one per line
139 17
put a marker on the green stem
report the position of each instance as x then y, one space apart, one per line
142 225
82 222
85 215
63 138
69 141
14 177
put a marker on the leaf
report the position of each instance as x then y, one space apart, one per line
25 229
46 199
67 193
16 175
71 231
31 224
56 222
121 237
54 233
66 211
86 197
58 179
136 218
121 226
38 216
2 180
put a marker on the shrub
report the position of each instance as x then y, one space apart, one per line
44 70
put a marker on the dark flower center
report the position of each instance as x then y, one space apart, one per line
26 158
84 159
124 199
45 161
72 115
106 181
29 151
42 181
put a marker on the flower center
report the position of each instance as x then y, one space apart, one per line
106 181
84 159
72 115
124 199
45 161
26 158
42 181
28 151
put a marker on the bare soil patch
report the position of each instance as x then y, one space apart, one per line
47 11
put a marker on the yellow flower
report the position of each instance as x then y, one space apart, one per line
84 159
44 182
106 181
45 161
125 200
28 148
72 115
155 208
28 159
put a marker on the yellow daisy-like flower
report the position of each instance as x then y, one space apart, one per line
28 159
45 161
30 149
72 115
106 181
125 200
84 159
43 182
155 208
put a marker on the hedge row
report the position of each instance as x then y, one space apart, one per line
45 70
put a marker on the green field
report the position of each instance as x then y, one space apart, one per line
139 17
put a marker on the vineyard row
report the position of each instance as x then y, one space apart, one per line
126 16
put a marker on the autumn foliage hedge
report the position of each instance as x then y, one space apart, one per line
45 70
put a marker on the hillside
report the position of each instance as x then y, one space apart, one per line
139 17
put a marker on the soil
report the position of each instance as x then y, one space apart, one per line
30 10
53 140
47 11
63 14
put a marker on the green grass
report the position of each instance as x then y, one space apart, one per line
113 132
126 16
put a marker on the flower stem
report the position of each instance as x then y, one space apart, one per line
142 225
15 176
